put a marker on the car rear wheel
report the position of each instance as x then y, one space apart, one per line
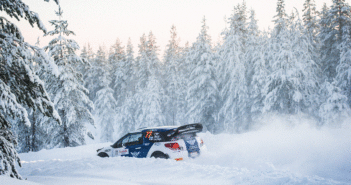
102 154
160 155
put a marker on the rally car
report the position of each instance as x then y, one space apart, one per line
159 142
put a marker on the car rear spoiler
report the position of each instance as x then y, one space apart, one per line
190 128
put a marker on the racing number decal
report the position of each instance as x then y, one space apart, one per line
148 134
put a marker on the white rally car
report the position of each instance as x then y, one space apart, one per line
160 142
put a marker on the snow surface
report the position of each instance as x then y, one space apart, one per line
273 154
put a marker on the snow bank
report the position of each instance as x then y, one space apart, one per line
285 143
5 180
280 151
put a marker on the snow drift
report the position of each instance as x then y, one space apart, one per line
281 150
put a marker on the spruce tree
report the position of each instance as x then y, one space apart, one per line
292 80
331 36
309 17
173 79
281 18
95 72
150 93
105 111
334 108
234 91
67 90
20 87
343 77
202 95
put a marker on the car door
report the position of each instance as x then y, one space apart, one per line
119 148
135 145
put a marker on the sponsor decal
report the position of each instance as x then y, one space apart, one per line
135 154
157 136
123 152
116 153
157 144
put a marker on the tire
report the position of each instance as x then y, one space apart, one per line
102 154
160 155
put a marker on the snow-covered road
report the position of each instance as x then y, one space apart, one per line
272 155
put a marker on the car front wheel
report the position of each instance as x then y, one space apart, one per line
102 154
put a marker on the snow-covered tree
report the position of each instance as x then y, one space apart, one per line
105 111
343 77
292 81
234 90
331 35
95 72
173 81
20 87
334 108
149 97
281 18
67 90
202 95
255 66
151 104
121 71
142 72
309 17
260 72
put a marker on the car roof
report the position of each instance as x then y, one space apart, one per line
160 128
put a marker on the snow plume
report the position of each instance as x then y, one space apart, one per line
290 144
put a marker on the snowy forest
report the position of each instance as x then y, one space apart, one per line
50 97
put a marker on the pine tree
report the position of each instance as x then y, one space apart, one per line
260 73
202 95
105 110
234 90
331 35
130 68
173 81
20 87
149 94
343 77
126 111
312 29
292 81
310 18
255 69
95 72
334 108
281 19
70 96
121 72
151 104
142 71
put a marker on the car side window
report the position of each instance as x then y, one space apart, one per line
125 140
121 141
136 138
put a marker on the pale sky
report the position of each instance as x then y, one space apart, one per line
101 22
